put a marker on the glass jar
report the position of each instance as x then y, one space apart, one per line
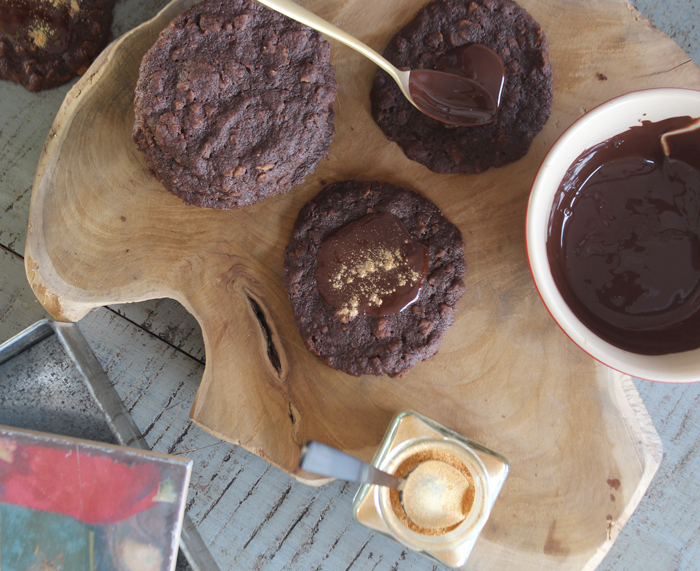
410 439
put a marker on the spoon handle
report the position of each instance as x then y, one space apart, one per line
328 461
300 14
666 146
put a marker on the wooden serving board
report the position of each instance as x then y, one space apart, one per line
581 446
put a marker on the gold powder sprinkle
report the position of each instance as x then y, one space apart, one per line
373 261
39 30
39 35
349 311
72 5
372 265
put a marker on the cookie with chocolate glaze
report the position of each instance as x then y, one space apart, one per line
234 104
45 43
526 102
359 335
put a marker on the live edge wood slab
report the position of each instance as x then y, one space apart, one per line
581 446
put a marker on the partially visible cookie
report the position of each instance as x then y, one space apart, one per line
45 43
234 104
343 335
444 25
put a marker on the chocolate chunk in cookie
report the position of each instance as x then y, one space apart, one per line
373 273
234 104
442 26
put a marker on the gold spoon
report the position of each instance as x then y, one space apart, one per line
443 96
665 138
433 495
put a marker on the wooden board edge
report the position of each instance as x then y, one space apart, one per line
52 291
639 423
643 433
300 476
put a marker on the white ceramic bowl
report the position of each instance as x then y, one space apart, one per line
603 122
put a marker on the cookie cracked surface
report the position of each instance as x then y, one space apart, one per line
234 104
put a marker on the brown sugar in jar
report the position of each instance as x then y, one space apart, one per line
414 442
412 462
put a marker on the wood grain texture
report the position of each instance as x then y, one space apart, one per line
19 308
250 514
662 533
503 365
228 496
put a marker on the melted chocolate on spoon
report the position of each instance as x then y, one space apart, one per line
465 88
477 62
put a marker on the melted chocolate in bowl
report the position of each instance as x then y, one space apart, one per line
371 266
624 239
464 88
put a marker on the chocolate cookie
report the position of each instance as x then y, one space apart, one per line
233 104
355 230
444 25
45 43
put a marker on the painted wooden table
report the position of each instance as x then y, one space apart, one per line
251 515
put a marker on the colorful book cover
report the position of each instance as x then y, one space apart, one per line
75 505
